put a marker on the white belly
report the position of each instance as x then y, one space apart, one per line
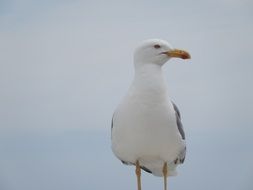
147 133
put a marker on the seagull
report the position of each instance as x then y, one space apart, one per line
146 128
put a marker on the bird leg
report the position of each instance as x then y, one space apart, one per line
138 174
165 174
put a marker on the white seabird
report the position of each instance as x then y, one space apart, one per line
146 127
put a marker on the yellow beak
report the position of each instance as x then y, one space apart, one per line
178 53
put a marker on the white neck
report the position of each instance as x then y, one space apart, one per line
149 79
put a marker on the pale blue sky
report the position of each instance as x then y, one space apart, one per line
65 65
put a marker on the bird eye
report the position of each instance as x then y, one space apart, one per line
157 46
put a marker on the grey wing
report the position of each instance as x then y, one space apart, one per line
112 124
179 123
181 157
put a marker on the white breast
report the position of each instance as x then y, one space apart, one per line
144 125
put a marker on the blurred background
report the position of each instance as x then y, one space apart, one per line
65 65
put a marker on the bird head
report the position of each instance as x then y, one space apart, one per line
158 52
